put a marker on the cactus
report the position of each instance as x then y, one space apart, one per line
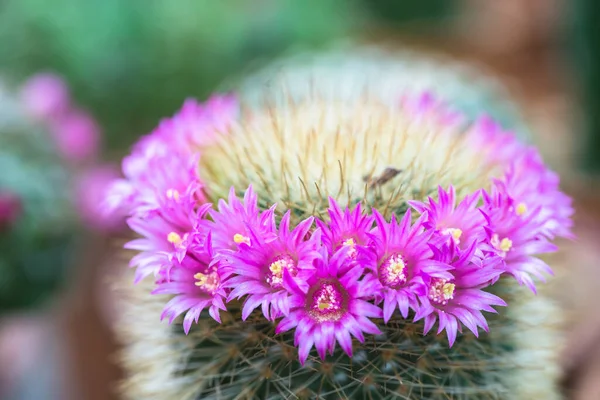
48 149
36 242
321 142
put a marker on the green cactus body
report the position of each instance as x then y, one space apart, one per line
245 360
342 136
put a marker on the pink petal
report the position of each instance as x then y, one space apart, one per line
305 345
343 338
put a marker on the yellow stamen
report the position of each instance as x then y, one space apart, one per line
456 233
521 209
348 242
174 238
397 267
441 291
208 282
173 194
280 264
505 244
276 268
324 305
239 238
448 290
201 279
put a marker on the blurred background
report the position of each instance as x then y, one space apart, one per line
81 80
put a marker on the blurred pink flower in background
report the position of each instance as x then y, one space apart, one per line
77 136
77 139
46 96
20 341
10 208
90 188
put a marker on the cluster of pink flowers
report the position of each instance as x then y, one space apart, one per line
74 131
77 139
329 279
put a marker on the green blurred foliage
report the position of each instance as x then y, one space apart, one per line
133 61
584 48
400 13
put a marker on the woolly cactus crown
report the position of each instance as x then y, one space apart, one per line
338 213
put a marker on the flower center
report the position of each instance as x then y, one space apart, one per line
239 238
521 209
175 239
503 246
172 194
455 233
276 268
392 272
208 282
351 243
441 291
326 303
